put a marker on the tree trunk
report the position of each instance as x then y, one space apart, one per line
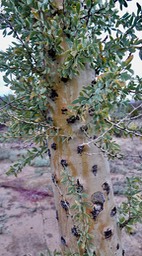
90 170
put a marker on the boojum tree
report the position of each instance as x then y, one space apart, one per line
69 68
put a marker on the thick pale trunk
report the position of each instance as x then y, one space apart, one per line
89 167
90 171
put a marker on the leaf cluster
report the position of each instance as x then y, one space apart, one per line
130 211
27 159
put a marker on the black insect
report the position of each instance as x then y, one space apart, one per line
94 137
54 146
65 205
108 233
52 53
106 187
95 213
91 111
93 82
64 79
49 119
63 241
123 252
74 231
72 119
117 247
64 110
64 163
98 207
49 153
54 179
113 212
80 149
97 71
84 128
79 187
53 94
94 169
57 217
98 200
69 138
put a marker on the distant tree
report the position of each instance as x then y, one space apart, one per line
70 69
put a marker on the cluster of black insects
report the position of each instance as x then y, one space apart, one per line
80 149
108 233
53 94
65 205
94 169
54 146
106 187
72 119
64 163
79 187
75 231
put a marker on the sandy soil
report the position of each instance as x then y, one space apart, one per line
27 212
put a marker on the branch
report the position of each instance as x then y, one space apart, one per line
10 104
136 117
97 13
102 149
112 126
134 108
33 123
19 38
89 14
123 128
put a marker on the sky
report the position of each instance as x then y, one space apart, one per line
136 63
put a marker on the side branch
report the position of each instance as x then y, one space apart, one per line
115 125
33 123
123 128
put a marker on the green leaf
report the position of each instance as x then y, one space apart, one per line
78 8
6 80
139 8
29 2
76 101
125 76
88 3
43 90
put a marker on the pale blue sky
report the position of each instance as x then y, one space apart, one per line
136 64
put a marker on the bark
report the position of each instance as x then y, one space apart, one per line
89 167
90 170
